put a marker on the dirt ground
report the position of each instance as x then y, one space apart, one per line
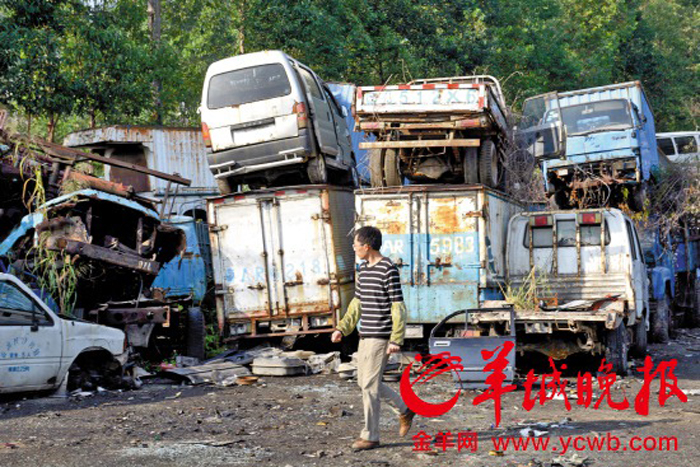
312 420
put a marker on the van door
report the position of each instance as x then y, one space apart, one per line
395 215
639 273
341 129
301 246
320 112
243 266
31 342
541 130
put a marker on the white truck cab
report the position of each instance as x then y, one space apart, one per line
587 269
38 347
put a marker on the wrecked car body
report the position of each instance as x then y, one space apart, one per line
116 247
112 239
42 350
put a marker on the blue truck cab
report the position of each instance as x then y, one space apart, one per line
596 137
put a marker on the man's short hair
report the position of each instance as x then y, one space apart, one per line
371 236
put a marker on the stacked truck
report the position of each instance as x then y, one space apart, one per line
596 144
435 130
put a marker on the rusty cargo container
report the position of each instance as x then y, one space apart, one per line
448 242
283 259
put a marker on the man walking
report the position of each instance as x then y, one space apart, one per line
379 309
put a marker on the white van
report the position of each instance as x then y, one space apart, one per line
681 146
265 115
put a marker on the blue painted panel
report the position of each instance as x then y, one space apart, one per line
436 291
185 274
491 294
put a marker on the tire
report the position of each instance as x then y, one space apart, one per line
470 166
392 172
659 321
317 171
196 332
639 346
488 164
694 313
376 168
617 349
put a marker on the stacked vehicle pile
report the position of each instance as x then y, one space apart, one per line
283 262
98 252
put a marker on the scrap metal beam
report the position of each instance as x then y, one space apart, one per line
62 152
117 258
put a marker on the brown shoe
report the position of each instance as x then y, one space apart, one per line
362 444
405 421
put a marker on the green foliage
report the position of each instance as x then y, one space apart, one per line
212 342
531 292
94 63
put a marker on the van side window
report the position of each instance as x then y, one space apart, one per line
630 237
17 308
331 99
666 145
311 84
686 145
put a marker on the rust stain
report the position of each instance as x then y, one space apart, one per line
392 227
444 220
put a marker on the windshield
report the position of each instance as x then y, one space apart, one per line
248 85
594 116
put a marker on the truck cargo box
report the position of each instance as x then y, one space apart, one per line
283 259
448 242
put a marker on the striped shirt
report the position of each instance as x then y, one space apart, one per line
377 287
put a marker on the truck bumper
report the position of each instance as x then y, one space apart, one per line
262 156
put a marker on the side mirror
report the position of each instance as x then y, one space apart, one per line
344 112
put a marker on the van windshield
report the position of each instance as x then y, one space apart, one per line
248 85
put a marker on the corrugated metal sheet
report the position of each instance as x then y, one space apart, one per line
345 95
168 149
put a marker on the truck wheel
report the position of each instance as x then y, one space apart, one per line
376 168
470 166
392 172
659 321
196 332
317 171
617 348
639 347
488 164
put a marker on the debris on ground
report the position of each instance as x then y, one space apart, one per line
219 373
279 366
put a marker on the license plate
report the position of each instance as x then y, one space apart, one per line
422 97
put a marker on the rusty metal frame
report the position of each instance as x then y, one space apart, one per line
70 155
109 256
470 143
